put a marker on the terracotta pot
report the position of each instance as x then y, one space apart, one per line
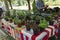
19 25
23 23
2 23
10 21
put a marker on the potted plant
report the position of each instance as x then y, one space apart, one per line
10 20
27 22
28 28
21 17
23 22
42 25
35 30
37 19
51 22
17 22
32 22
6 18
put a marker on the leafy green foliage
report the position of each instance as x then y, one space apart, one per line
16 20
14 13
43 23
7 13
48 18
6 18
34 7
21 15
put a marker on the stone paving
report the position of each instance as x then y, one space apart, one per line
3 35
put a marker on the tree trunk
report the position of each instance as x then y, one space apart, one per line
28 1
10 3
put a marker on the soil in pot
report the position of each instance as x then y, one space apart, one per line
10 20
42 26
